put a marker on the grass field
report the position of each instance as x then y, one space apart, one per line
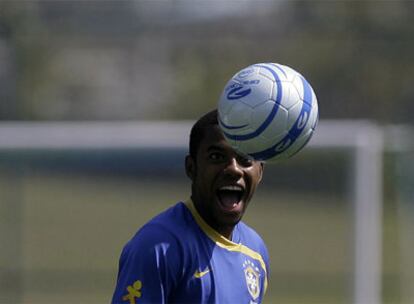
65 234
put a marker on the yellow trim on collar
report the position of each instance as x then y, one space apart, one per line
224 242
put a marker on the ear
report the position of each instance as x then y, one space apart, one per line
190 167
261 164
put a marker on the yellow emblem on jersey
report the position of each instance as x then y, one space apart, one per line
252 275
134 291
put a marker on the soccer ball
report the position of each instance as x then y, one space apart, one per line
268 111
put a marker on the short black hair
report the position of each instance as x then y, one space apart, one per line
199 130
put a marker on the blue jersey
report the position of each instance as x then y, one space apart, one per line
178 258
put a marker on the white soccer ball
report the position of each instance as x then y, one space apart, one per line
268 111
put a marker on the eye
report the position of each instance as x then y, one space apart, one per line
244 161
216 156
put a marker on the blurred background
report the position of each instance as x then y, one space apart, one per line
80 82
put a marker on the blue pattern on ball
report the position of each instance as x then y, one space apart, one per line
294 132
269 118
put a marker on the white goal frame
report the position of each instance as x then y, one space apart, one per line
363 138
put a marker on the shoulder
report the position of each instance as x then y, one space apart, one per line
248 232
175 218
250 238
161 239
168 228
155 256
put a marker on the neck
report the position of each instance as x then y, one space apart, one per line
224 230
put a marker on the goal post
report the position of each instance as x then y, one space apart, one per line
366 142
400 140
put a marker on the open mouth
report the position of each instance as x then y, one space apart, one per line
230 196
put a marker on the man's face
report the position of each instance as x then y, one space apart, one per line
223 181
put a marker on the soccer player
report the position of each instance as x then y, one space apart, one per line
199 251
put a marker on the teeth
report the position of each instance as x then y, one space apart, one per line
232 188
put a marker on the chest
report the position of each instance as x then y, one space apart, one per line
221 275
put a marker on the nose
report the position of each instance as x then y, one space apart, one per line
233 168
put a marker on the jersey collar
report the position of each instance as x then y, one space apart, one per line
218 238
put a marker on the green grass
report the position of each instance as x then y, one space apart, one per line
70 230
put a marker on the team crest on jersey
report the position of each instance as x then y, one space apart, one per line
252 275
